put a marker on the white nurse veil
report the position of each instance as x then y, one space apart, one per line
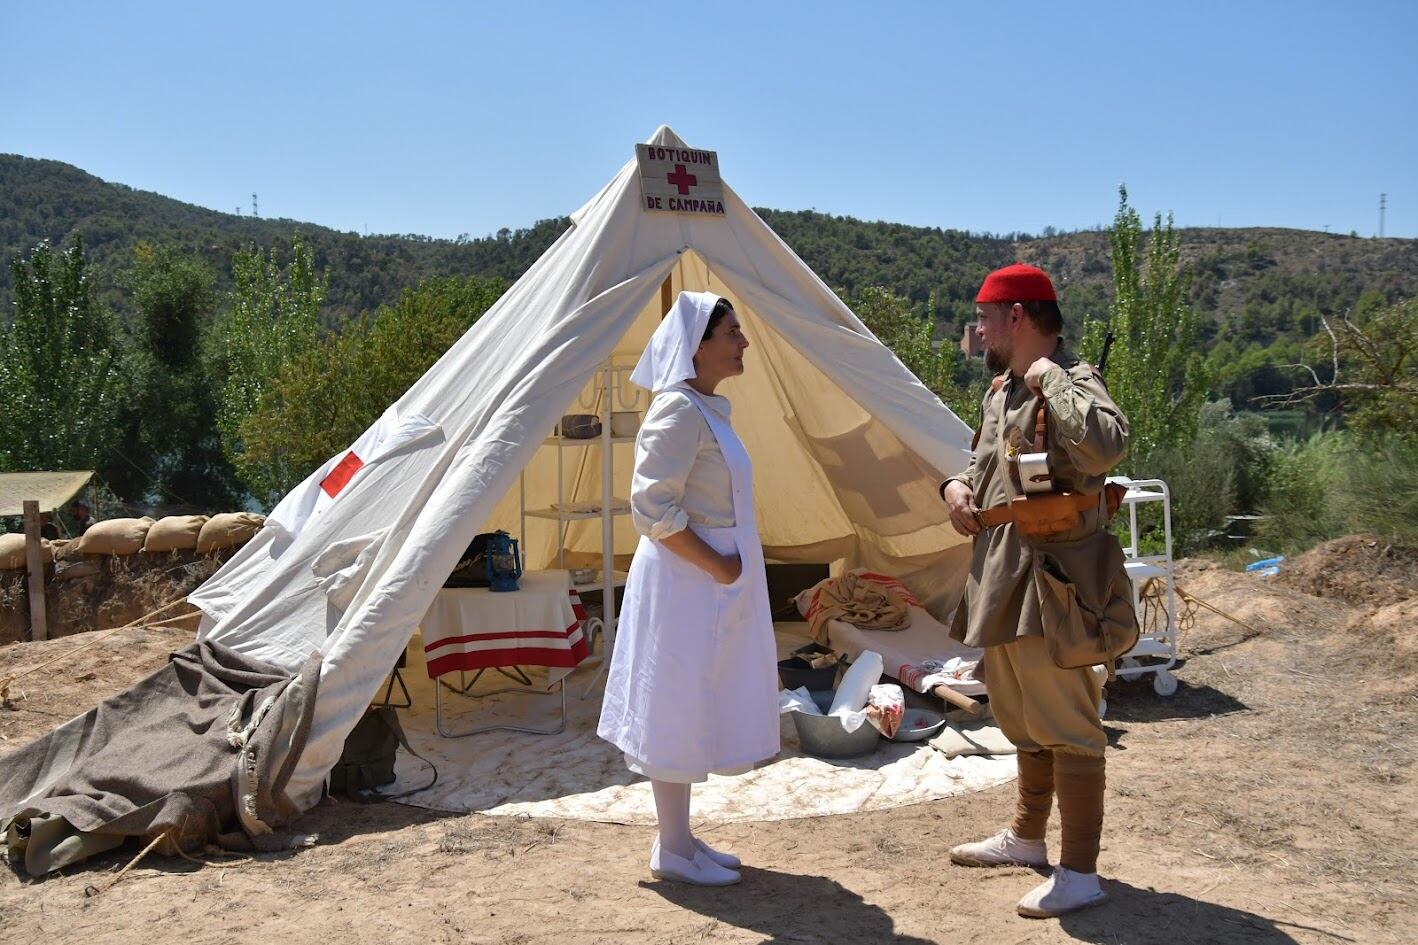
669 357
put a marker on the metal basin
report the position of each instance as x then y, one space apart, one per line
823 736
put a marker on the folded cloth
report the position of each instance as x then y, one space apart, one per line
886 706
972 738
796 700
857 599
954 672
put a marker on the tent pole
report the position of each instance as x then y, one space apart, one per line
667 294
607 514
34 562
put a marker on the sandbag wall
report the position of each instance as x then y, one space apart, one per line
119 570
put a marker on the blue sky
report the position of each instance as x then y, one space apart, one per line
449 118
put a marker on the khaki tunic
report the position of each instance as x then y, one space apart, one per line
1087 436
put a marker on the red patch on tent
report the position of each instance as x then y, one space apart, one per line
341 475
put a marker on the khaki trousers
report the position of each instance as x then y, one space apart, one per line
1051 715
1041 707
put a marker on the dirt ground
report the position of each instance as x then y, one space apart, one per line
1270 800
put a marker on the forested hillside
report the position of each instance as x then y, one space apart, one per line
49 200
1252 287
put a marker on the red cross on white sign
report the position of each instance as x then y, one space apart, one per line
679 179
682 180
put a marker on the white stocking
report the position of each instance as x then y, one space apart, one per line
672 810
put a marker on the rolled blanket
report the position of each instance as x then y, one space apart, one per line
860 601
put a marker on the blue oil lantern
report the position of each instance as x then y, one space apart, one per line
503 562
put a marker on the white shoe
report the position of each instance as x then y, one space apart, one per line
1003 849
726 860
1063 892
700 871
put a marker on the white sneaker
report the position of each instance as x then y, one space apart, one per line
1065 891
726 860
1003 849
700 871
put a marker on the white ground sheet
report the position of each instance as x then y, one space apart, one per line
578 776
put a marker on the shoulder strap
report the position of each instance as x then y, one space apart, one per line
376 794
996 383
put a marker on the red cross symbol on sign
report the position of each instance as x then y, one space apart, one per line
682 180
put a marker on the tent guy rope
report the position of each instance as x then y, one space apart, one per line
7 681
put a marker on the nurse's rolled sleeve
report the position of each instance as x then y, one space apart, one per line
665 451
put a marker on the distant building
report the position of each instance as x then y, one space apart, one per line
971 344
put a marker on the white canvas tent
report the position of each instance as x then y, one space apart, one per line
848 448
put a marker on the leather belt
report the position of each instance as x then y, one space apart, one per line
1022 508
1052 513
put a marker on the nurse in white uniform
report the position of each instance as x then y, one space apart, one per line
692 687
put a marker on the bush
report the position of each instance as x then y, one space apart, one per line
1224 471
1202 479
1304 498
1381 491
1336 484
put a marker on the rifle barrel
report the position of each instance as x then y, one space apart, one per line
1103 358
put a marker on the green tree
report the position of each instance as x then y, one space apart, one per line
330 393
273 319
1372 369
896 324
1155 370
62 380
170 424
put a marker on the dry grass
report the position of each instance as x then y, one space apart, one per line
495 837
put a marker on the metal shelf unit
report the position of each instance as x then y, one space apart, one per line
611 392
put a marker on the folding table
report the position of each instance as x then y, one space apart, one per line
474 629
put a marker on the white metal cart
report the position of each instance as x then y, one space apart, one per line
1154 594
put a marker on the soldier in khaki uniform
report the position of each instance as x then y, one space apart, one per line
1049 713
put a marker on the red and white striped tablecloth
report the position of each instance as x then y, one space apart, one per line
539 624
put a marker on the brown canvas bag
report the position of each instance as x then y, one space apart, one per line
1085 600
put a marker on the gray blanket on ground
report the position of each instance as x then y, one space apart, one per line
202 749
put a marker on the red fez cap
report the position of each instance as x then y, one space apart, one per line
1017 283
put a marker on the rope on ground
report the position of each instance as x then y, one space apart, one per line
169 623
239 859
92 891
1195 601
1155 614
8 681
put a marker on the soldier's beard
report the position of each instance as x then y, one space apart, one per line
997 360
